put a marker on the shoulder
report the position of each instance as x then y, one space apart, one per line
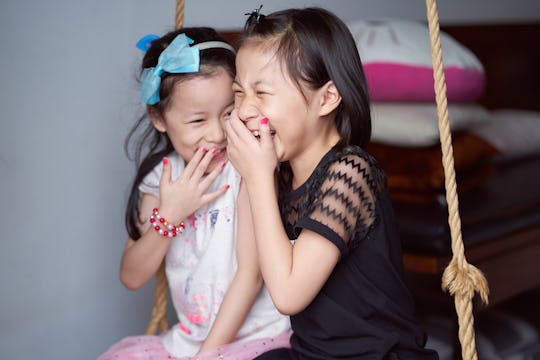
355 164
351 156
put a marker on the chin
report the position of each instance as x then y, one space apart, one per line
280 154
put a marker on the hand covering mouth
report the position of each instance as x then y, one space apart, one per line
257 133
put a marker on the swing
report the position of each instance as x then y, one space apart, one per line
461 279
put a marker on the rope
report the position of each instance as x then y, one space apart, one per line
159 311
179 19
460 279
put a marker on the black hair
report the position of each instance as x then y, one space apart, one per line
144 144
316 47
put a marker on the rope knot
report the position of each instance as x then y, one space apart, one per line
464 280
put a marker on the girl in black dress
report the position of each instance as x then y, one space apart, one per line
325 233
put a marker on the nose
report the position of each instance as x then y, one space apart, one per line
246 108
216 133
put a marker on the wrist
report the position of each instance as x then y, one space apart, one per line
164 227
260 178
260 186
171 214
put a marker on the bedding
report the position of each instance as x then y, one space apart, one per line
397 62
495 139
415 124
416 174
515 133
507 201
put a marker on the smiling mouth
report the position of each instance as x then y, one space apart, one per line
219 154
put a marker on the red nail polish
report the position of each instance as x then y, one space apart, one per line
223 164
227 186
203 149
214 150
264 121
165 161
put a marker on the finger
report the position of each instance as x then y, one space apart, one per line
233 142
212 176
243 134
230 129
264 133
200 169
207 198
194 162
165 173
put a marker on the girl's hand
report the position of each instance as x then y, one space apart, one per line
180 198
252 157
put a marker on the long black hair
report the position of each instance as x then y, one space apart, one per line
144 144
316 47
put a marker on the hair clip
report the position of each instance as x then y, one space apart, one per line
145 42
255 16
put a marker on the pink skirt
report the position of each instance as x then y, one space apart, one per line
151 348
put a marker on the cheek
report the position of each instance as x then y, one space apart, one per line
184 146
185 153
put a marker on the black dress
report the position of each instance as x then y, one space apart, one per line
364 311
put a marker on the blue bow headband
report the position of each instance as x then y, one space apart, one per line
178 57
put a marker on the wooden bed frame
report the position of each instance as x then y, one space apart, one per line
511 60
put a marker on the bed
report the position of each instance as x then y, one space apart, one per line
498 178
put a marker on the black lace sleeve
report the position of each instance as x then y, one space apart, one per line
343 200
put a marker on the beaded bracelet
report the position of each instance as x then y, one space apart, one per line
171 231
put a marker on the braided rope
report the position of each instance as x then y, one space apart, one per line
460 279
159 311
179 18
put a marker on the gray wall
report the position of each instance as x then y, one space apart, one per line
68 97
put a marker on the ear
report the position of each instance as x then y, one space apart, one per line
330 98
157 119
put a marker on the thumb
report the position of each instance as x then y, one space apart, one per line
166 172
264 132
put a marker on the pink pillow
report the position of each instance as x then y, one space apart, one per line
396 55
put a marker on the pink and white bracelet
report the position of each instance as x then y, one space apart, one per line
171 231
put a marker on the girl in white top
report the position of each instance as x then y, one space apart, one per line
188 205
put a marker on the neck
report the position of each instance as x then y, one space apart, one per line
303 165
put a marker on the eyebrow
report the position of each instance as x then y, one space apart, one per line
258 82
202 113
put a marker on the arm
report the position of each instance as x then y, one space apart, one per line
294 275
178 199
141 258
245 285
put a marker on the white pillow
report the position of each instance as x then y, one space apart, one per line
416 124
515 133
396 55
